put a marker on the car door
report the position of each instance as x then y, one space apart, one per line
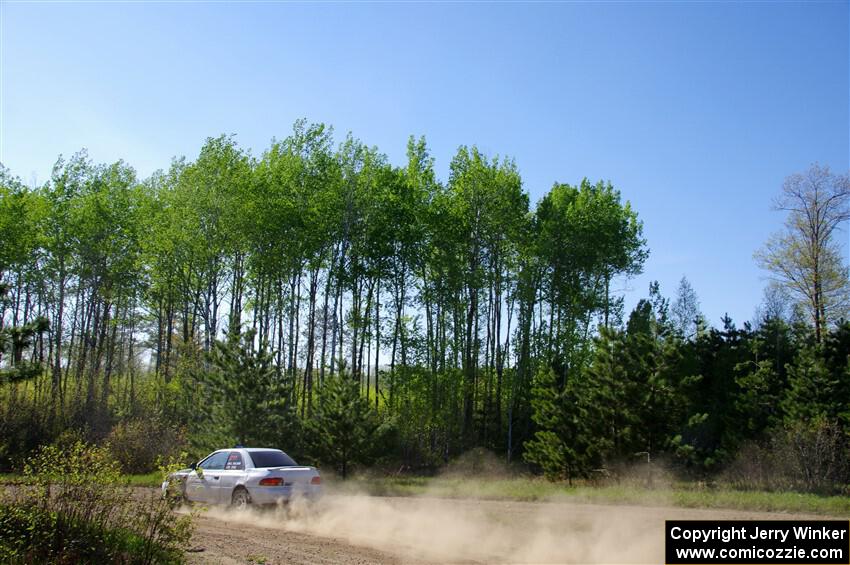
203 486
234 470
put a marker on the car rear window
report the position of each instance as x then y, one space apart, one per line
271 459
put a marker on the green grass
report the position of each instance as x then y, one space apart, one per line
152 479
765 501
686 495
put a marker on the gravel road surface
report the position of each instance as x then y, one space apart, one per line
384 530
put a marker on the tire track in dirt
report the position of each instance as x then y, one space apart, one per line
224 542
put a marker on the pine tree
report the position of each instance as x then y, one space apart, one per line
819 380
570 441
251 404
646 385
762 378
345 429
14 340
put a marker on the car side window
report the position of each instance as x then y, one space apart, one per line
234 462
214 462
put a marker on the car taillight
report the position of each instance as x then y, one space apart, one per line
271 482
317 480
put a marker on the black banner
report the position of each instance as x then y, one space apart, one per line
763 542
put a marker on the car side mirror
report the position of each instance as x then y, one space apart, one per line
193 466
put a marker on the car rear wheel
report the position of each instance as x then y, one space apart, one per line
240 499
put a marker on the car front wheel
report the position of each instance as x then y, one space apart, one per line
173 490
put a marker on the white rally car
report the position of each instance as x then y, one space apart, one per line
243 476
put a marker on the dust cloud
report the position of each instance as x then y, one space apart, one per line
466 530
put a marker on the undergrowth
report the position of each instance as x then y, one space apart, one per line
73 505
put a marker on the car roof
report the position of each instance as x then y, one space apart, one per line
249 449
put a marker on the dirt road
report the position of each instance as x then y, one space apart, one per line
364 529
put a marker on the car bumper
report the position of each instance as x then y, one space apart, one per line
264 496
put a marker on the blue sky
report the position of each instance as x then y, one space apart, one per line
695 111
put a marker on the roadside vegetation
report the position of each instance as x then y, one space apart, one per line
360 314
73 506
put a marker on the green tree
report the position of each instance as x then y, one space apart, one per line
570 441
345 430
716 428
819 380
15 340
647 386
246 402
579 267
763 377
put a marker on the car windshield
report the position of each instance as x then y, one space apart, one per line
271 459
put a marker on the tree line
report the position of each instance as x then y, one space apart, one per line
231 289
